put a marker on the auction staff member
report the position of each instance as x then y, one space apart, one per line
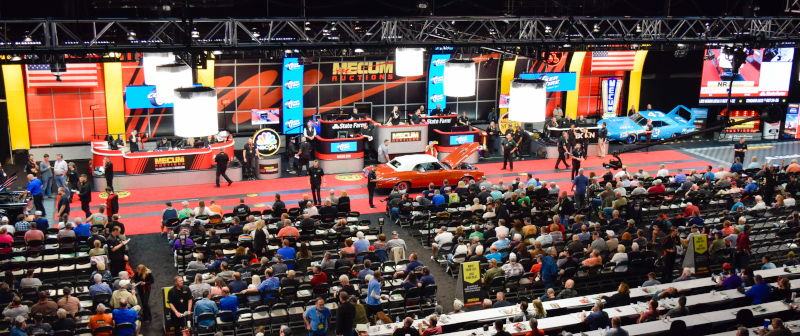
133 141
436 111
85 195
310 134
648 132
509 147
35 190
179 299
394 117
108 167
416 118
315 180
562 150
250 162
492 133
578 155
524 142
602 141
366 132
739 150
558 112
222 165
463 120
669 246
371 184
572 137
304 155
164 144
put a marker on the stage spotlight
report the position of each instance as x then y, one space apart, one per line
27 37
638 28
422 4
195 33
596 28
131 35
16 58
358 50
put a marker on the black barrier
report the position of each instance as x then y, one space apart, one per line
336 129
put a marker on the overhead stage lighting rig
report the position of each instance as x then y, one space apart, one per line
231 34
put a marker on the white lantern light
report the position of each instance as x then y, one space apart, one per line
527 100
195 110
459 78
408 62
150 61
171 77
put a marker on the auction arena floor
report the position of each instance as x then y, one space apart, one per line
141 208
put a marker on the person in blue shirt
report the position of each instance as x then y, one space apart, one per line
737 202
680 177
288 252
751 185
374 295
81 229
317 318
366 271
760 291
696 220
35 190
438 198
269 283
214 265
767 263
427 278
411 266
228 302
709 174
41 222
736 166
493 254
19 327
361 244
501 243
597 318
579 184
204 305
126 315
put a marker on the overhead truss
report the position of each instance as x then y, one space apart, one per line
91 36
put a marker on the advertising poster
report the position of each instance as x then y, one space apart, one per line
701 260
471 283
292 96
556 81
790 125
143 96
611 94
436 81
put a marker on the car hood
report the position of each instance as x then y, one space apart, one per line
461 153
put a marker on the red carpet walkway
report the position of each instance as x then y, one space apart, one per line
141 209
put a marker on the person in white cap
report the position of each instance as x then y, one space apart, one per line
9 227
612 242
123 294
19 327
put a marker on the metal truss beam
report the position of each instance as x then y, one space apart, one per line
582 33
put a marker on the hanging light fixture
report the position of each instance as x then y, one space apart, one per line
527 100
171 77
150 60
195 110
408 62
459 78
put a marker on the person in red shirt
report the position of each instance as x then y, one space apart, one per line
743 247
5 238
535 331
288 230
319 277
657 188
690 209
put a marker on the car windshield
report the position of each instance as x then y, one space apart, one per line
639 119
682 113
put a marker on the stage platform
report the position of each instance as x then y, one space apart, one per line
167 179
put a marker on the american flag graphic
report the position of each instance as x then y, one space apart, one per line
77 75
8 181
613 60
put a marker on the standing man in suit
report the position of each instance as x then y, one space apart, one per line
562 150
222 165
493 134
250 162
371 184
109 169
85 195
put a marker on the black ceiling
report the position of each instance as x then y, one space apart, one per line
88 9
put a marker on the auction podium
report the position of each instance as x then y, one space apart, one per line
340 155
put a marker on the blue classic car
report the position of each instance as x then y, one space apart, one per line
665 125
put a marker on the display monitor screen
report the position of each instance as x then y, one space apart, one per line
265 116
765 73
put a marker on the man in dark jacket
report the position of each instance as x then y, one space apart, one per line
222 165
85 195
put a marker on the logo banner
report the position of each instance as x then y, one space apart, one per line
267 142
611 93
556 81
292 96
141 97
436 81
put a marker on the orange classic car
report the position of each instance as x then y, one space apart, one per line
419 170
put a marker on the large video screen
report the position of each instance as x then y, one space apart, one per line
765 73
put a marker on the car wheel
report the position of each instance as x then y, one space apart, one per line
466 179
403 186
630 139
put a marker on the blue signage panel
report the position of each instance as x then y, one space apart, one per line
143 96
556 81
292 96
344 147
436 81
701 113
458 140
